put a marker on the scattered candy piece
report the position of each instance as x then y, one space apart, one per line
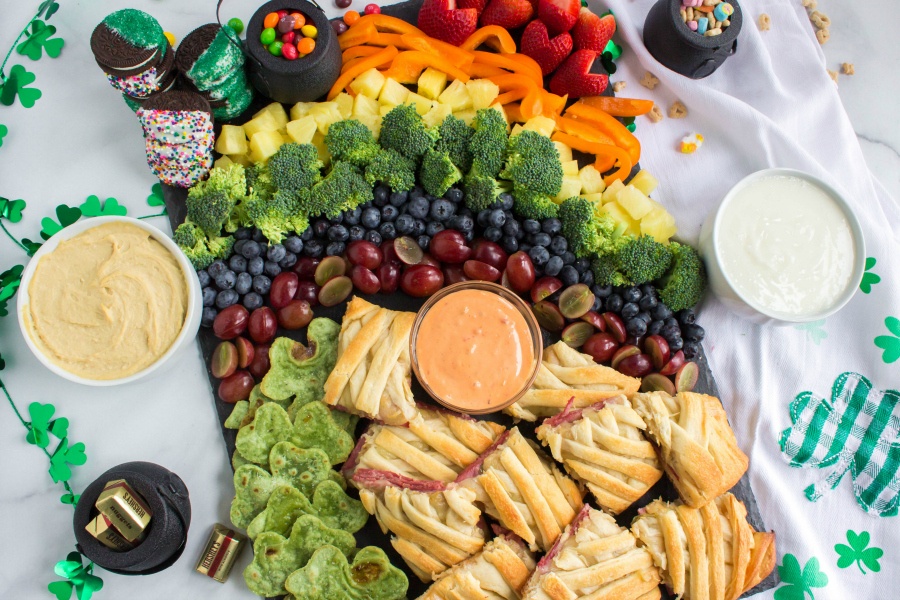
275 48
692 25
847 69
299 20
702 25
270 21
655 115
237 25
690 143
723 11
289 37
765 22
281 13
649 81
267 36
372 9
289 51
285 24
678 110
339 26
170 36
351 17
309 31
306 45
343 3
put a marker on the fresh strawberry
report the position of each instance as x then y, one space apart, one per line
574 78
478 5
558 15
592 32
442 20
548 53
508 14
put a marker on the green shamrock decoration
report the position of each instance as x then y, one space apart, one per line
11 210
31 247
47 9
799 583
70 498
66 215
62 457
858 553
17 85
78 577
39 41
814 330
890 343
92 207
9 283
42 425
3 131
156 195
869 279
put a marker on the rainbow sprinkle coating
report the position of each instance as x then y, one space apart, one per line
137 86
178 144
176 126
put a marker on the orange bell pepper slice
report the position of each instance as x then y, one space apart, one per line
513 95
541 102
382 57
608 125
408 66
494 36
357 52
387 23
601 151
460 58
513 112
583 130
358 35
390 39
619 107
516 63
511 81
482 71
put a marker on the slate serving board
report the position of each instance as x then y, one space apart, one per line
371 534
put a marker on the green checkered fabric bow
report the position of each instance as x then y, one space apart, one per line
857 431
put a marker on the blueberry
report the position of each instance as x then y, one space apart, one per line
208 316
418 208
635 327
398 199
204 278
540 256
276 253
338 233
243 233
587 278
524 246
434 227
558 245
320 227
294 244
416 192
686 316
418 228
582 265
551 226
357 232
288 261
661 312
209 296
307 234
389 213
654 327
255 265
691 349
442 210
597 306
351 217
511 227
602 291
629 310
374 237
336 220
271 268
670 332
388 231
648 302
568 257
648 289
381 196
243 283
614 303
464 223
226 280
252 301
539 239
506 201
492 234
497 218
371 218
676 344
424 241
692 333
531 226
553 266
673 322
568 275
226 298
631 294
257 236
454 195
236 248
250 249
510 244
404 224
313 248
335 248
469 235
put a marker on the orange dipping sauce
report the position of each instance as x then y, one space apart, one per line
474 350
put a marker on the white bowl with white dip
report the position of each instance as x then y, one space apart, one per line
783 247
111 306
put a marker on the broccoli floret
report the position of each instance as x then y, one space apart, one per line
488 143
403 130
482 192
278 215
351 141
531 205
259 182
295 167
438 173
344 188
683 285
577 218
533 164
209 203
393 170
606 270
643 259
198 248
455 139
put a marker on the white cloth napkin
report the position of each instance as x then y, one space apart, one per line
773 104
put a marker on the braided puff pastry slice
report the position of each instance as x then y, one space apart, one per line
594 559
710 553
603 447
699 451
372 374
434 526
524 490
498 572
435 445
565 374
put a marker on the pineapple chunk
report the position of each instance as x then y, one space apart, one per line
302 129
457 96
373 122
232 140
384 109
466 116
516 130
301 109
422 104
241 159
318 141
436 115
542 125
264 144
659 224
621 217
369 83
571 186
393 93
345 104
277 112
596 199
634 201
565 153
644 181
591 180
364 106
482 92
570 167
431 83
223 162
325 113
609 194
264 122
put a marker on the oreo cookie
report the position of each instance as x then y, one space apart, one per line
127 42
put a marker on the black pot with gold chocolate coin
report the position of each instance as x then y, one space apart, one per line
134 519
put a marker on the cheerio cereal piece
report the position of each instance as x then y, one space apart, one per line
823 35
833 75
649 81
678 110
810 4
655 115
690 143
765 22
847 69
820 20
618 86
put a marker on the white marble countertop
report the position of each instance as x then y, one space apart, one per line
86 145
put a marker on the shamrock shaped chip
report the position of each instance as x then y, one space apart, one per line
235 419
329 503
299 370
276 557
314 427
301 468
328 576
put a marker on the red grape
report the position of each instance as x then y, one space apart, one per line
615 326
420 281
262 325
284 287
231 322
389 276
259 366
545 286
408 250
594 319
224 360
365 254
671 367
296 315
428 259
475 269
236 387
601 347
636 365
655 382
309 291
687 376
548 316
305 268
575 301
490 253
449 246
454 273
245 351
329 268
623 353
335 291
364 280
519 271
387 250
658 349
577 333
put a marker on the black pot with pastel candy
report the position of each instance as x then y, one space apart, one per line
280 69
133 519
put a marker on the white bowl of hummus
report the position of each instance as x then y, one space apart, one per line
108 301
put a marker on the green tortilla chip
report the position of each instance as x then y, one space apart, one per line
328 576
237 415
345 421
338 479
269 426
329 503
276 557
238 461
299 370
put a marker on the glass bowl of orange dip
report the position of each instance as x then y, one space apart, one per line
476 347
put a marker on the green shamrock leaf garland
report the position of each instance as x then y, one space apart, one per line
62 457
3 131
39 41
92 207
78 578
869 278
16 84
31 247
856 552
156 195
890 343
47 9
11 210
66 215
42 425
9 284
799 582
